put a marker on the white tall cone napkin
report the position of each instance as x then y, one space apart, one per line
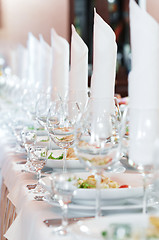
22 61
34 49
104 60
143 85
19 61
60 67
144 78
78 82
103 79
143 131
45 65
13 61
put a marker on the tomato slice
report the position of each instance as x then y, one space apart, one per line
124 186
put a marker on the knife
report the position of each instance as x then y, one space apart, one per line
54 222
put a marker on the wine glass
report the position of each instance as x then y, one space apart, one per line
29 138
61 121
139 131
29 100
80 97
42 109
38 158
63 185
97 139
17 129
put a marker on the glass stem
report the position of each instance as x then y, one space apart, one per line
144 209
64 160
28 154
38 176
64 218
28 159
49 141
98 195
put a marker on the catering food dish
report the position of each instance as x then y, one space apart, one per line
44 140
83 196
106 182
133 226
88 207
55 160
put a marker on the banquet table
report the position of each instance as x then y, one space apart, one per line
19 210
23 217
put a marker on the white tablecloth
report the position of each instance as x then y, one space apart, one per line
29 223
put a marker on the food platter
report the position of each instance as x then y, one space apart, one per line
82 196
93 229
71 163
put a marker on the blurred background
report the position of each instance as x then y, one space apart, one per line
18 17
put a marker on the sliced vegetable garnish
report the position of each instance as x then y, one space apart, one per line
86 185
104 234
43 154
124 186
57 158
31 128
44 140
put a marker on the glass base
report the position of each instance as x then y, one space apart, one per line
38 189
61 231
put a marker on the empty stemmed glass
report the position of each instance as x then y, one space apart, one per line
42 109
61 121
29 100
139 131
97 139
29 138
63 185
38 158
17 127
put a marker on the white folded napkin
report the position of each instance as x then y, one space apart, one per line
45 65
104 60
143 85
143 131
19 61
60 66
103 79
144 78
13 61
78 82
34 49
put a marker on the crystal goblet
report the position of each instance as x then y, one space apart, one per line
97 139
61 121
139 131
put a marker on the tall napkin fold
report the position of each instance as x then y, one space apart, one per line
78 82
144 77
34 49
104 60
19 61
45 65
143 85
103 79
22 61
60 66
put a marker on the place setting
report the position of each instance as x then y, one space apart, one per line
79 162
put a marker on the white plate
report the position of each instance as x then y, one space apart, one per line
71 163
42 132
134 204
43 140
133 180
92 228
